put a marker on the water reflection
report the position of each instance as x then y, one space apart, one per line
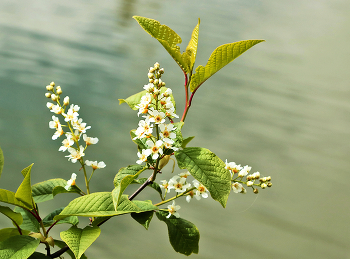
282 108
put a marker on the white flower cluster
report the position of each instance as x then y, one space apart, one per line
76 126
243 171
179 184
156 105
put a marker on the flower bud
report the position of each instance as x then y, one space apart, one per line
52 84
250 183
156 66
151 80
268 178
156 82
161 71
151 69
54 97
48 95
269 184
164 161
59 91
49 87
150 75
256 191
263 185
66 100
163 83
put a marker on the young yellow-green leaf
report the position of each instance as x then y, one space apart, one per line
18 247
9 197
29 223
14 216
122 184
189 56
1 161
220 57
208 169
46 190
6 233
133 100
183 235
27 170
166 36
48 220
24 191
78 240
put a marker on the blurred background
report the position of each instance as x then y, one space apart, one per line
282 107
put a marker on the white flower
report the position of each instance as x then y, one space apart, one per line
237 187
59 132
165 185
166 131
149 87
143 156
56 109
201 190
256 175
80 125
95 165
71 115
74 108
233 167
170 112
54 123
246 169
156 116
155 148
179 186
71 182
173 210
75 154
143 130
49 105
67 143
90 140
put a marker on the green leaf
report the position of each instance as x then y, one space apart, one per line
24 191
183 235
189 56
186 141
9 197
125 171
48 220
46 190
166 36
144 218
14 216
208 169
122 184
27 170
78 240
6 233
100 204
220 57
18 247
29 221
62 244
1 161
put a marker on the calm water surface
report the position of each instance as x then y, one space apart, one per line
283 108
